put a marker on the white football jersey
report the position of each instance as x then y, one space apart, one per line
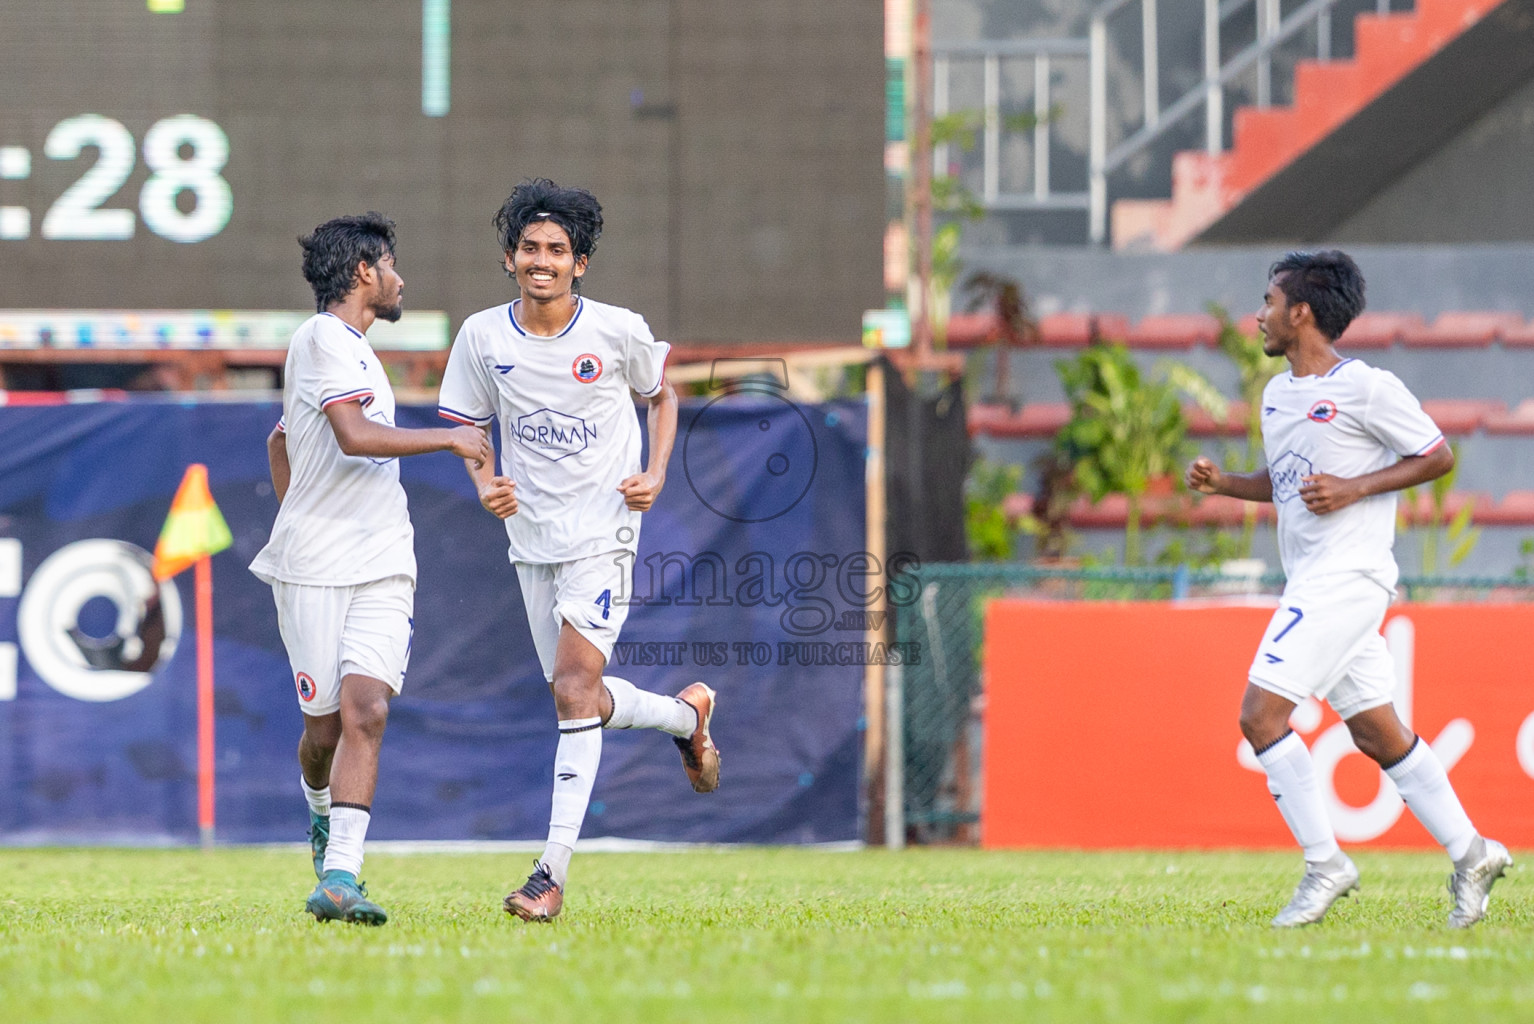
344 519
1353 420
569 430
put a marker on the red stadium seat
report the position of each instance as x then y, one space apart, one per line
1219 510
1035 420
1521 337
1464 330
1201 424
1420 511
1110 513
1515 509
1380 330
1175 331
1456 416
1077 330
1519 421
1111 327
970 330
1066 330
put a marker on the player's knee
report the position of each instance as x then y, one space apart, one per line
1262 730
1370 742
575 693
321 732
366 713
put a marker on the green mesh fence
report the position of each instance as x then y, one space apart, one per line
943 698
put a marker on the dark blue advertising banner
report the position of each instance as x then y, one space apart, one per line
751 575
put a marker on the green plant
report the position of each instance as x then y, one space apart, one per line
1455 530
1216 548
1525 559
991 533
945 271
1127 429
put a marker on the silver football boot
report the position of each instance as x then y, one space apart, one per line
1323 885
1471 888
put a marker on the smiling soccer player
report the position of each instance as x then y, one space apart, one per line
557 369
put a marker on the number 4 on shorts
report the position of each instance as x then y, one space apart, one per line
606 601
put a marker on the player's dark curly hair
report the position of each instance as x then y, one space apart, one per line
1329 282
574 209
333 250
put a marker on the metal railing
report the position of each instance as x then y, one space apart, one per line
1272 31
1207 97
1041 53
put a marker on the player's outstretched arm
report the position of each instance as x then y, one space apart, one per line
640 491
1323 493
277 459
358 435
1207 478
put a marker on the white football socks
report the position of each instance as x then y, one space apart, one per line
348 830
634 708
575 769
319 799
1424 785
1292 781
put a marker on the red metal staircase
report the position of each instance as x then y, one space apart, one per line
1327 95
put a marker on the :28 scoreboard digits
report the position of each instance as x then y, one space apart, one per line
185 155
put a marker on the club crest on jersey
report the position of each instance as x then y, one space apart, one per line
586 368
1323 411
305 685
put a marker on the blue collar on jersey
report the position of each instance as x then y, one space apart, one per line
511 314
343 323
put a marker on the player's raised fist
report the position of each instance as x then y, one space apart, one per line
639 491
1203 476
471 443
499 497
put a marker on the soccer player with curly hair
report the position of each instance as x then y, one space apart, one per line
558 370
341 559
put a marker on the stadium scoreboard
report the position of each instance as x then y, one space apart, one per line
165 154
136 168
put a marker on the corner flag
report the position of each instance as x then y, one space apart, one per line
194 529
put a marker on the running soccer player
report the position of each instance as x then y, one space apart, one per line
557 369
1341 438
341 561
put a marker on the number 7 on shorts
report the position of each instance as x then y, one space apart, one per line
1298 615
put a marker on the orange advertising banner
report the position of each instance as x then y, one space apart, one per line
1115 725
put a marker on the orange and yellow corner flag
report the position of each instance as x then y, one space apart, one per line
194 529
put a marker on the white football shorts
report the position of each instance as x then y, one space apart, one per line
588 593
1324 641
331 632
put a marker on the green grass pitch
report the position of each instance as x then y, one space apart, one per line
165 937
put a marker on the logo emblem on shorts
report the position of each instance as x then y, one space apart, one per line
586 368
1323 411
305 686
